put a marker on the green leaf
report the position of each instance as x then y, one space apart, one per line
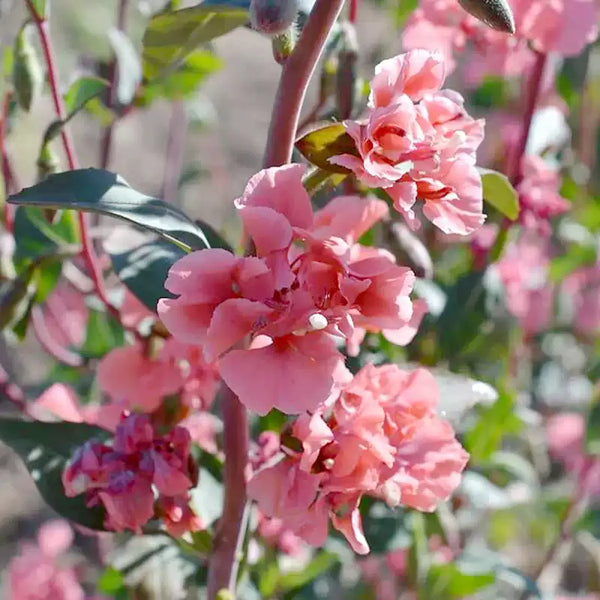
111 581
496 14
321 563
129 67
215 239
592 434
106 193
575 257
182 82
45 449
171 36
39 6
16 296
27 71
81 91
103 333
498 192
319 145
448 581
144 270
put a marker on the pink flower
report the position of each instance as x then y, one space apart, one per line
36 572
539 195
309 282
121 477
379 437
277 536
583 289
524 273
418 142
566 433
177 515
65 316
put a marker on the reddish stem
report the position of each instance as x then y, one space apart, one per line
113 77
224 560
295 75
48 343
353 11
534 83
87 251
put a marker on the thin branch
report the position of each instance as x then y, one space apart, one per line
175 151
7 175
88 253
295 76
224 560
113 77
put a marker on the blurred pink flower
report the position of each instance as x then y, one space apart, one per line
309 282
539 196
416 141
65 315
583 289
36 573
566 433
524 273
121 476
379 437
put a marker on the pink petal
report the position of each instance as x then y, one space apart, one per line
405 334
350 525
55 537
58 401
187 322
269 230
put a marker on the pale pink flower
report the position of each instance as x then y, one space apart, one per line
310 281
66 315
177 516
133 312
418 142
274 533
566 433
583 289
36 573
379 437
121 477
539 196
524 273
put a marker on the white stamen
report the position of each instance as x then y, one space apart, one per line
318 321
391 494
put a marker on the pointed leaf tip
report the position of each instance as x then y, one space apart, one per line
496 14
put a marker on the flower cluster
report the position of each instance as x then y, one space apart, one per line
308 283
418 142
142 475
379 437
582 288
36 573
561 26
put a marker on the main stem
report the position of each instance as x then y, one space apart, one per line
296 73
295 76
534 84
225 559
87 250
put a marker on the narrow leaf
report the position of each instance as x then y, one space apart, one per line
27 71
498 192
129 67
496 14
82 90
45 449
106 193
319 145
171 36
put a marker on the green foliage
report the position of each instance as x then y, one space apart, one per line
498 192
449 581
40 7
319 145
171 36
144 269
103 192
45 449
592 435
103 333
27 71
574 257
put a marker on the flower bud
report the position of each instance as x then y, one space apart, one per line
27 72
272 16
496 14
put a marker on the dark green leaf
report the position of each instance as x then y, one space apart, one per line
45 448
129 67
172 36
144 270
592 435
103 333
215 239
27 71
319 145
448 581
498 192
496 14
106 193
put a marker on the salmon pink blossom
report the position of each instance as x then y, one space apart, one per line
583 289
417 142
309 283
379 437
